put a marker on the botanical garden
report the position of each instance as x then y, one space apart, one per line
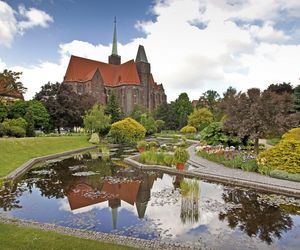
146 179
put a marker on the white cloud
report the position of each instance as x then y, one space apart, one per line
13 22
33 17
187 58
8 24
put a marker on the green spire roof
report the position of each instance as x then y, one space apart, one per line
114 47
141 55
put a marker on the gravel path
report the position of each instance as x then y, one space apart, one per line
204 166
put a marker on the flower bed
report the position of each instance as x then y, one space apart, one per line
229 157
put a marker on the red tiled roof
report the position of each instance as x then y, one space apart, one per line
12 93
82 69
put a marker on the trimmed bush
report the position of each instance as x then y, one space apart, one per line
188 130
126 131
181 155
17 131
20 122
284 156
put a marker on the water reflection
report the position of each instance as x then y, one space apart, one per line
253 216
106 195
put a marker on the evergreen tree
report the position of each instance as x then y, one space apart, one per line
297 99
184 108
113 109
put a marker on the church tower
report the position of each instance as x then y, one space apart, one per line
144 70
114 58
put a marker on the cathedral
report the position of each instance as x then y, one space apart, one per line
132 82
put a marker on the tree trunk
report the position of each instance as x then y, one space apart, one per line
256 146
58 130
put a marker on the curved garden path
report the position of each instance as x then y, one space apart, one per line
206 167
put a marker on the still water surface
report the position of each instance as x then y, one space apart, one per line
105 195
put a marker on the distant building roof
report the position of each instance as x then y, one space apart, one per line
12 94
82 69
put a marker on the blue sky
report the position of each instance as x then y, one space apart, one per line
192 45
89 20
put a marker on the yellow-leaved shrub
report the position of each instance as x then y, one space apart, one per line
126 131
284 156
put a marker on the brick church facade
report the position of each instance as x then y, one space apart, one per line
132 82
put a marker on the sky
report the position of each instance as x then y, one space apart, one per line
192 45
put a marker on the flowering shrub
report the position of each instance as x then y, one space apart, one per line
127 130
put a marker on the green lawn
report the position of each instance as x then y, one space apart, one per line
14 237
273 141
15 151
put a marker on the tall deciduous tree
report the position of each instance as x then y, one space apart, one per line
281 88
10 84
200 118
257 114
113 109
183 107
65 107
210 99
95 120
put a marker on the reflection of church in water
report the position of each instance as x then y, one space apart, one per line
133 188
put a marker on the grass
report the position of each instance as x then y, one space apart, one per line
273 141
15 151
15 237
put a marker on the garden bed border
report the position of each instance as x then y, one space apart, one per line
265 187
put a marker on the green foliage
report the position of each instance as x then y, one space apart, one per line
155 157
210 100
18 109
188 130
127 131
200 118
95 120
284 156
213 134
153 144
181 155
16 131
142 144
149 124
3 111
184 108
30 124
94 138
284 175
19 122
296 97
2 130
113 109
160 125
39 113
138 111
167 113
273 141
236 162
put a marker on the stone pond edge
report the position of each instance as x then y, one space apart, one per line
28 165
277 189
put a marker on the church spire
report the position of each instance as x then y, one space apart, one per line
114 58
114 47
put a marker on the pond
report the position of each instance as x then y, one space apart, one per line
105 195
